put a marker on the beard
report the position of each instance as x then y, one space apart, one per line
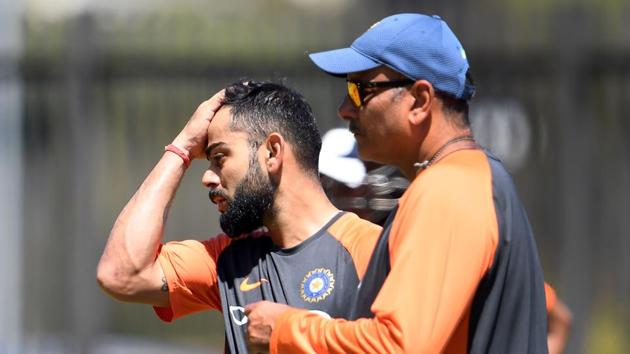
253 200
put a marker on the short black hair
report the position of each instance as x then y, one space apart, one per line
260 108
455 109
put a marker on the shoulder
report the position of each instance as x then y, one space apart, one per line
457 193
462 176
214 245
349 227
191 248
358 237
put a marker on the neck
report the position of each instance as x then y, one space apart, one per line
442 150
434 147
301 209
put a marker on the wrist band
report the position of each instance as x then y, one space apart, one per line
179 152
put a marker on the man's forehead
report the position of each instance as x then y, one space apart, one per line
222 118
380 73
220 128
220 125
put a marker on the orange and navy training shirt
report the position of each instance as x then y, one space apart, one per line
456 270
321 273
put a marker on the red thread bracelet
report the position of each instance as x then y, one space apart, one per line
179 152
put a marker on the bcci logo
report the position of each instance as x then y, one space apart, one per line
317 285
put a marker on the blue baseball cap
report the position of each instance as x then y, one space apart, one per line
415 45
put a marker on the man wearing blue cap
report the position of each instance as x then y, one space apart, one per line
456 268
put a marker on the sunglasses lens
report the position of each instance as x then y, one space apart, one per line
353 93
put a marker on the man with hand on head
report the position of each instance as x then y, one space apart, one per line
262 144
456 268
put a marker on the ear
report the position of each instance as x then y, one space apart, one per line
275 148
423 94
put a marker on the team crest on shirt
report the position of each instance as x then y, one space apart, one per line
317 285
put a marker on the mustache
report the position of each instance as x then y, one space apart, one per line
213 193
353 127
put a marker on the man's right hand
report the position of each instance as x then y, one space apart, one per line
128 269
194 137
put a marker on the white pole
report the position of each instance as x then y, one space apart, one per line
11 170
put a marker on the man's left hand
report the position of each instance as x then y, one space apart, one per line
262 317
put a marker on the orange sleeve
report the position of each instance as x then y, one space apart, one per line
550 297
358 236
190 268
443 241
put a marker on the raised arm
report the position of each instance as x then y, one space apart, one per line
128 269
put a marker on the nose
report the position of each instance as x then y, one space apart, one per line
210 179
346 110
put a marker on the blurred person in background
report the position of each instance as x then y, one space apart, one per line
372 191
456 269
367 189
559 321
262 144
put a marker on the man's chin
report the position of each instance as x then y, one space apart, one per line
234 228
222 208
235 234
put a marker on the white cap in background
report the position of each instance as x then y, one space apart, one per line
339 159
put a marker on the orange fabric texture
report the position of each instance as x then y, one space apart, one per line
358 237
442 243
190 269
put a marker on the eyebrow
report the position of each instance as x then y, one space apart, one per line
212 147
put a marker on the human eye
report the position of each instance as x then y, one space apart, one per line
217 159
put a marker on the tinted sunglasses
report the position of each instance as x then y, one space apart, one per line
357 89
